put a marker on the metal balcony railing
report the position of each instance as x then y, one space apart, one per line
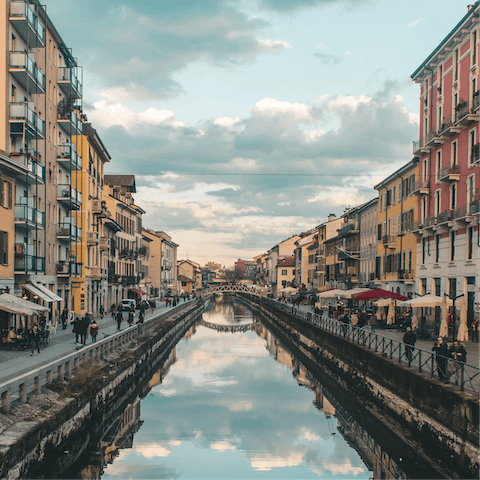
29 263
25 21
445 216
67 156
24 69
26 215
461 110
23 112
421 186
448 173
68 81
476 100
69 195
69 120
37 171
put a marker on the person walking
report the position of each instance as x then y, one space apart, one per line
76 329
119 319
442 354
11 338
35 338
131 318
458 353
83 329
113 310
64 318
102 311
475 330
94 331
152 307
409 340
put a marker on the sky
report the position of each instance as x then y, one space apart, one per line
246 122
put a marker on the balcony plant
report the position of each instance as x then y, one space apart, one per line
461 104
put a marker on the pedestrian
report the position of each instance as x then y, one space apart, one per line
113 310
82 327
409 340
166 301
94 331
42 321
475 330
11 338
458 352
119 319
130 318
64 318
102 311
76 329
35 338
141 316
152 307
442 354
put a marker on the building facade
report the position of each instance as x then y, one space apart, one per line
368 243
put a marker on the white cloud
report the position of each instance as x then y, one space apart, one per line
273 44
267 462
270 107
415 22
227 122
241 406
222 446
344 468
348 53
319 45
241 164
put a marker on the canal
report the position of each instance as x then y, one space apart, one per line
231 401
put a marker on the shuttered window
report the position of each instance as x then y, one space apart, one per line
3 248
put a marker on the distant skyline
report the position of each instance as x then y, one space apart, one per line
245 122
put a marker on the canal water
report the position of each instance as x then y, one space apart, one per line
232 402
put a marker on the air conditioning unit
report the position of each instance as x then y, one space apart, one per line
19 249
62 268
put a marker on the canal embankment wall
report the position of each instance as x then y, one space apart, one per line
437 420
53 425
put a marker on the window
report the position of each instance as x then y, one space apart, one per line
452 287
456 64
474 49
424 286
437 204
454 154
394 194
438 286
470 192
471 139
13 97
440 118
452 246
6 193
438 166
469 243
453 196
399 190
424 242
437 248
4 248
381 202
284 272
425 169
393 226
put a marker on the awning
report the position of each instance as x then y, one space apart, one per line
48 292
426 301
36 291
7 299
136 290
14 308
378 293
330 293
353 291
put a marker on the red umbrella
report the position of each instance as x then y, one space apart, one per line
378 293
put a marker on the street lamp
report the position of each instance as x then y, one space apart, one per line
453 312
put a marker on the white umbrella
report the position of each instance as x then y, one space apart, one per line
444 325
383 302
391 312
330 293
289 290
353 291
415 318
462 335
426 301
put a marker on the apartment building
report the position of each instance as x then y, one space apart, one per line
448 153
87 263
368 243
40 110
282 250
260 268
123 262
162 263
188 270
398 198
326 258
285 273
301 255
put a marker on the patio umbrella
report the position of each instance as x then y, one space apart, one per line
383 302
331 293
415 318
391 313
289 290
376 294
353 292
426 301
444 325
462 335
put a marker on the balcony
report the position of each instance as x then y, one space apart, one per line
69 196
92 238
68 119
474 207
349 229
445 217
433 139
421 187
475 155
67 231
24 120
389 241
68 82
464 115
29 264
320 268
96 273
104 243
26 72
129 279
112 278
449 174
26 216
23 18
420 147
447 128
68 157
36 171
476 100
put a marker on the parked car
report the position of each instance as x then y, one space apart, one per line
127 304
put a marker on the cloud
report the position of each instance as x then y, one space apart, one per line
273 44
415 22
328 59
222 446
286 6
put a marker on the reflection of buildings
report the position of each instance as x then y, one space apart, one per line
157 377
371 452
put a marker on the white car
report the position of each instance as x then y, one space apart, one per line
127 304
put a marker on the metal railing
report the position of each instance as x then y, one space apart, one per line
23 386
465 375
22 60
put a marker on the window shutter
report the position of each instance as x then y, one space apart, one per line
1 193
379 232
10 194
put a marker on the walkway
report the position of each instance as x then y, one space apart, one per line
15 362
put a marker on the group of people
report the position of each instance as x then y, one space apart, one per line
29 338
81 327
443 352
131 314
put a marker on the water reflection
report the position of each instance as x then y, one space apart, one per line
226 410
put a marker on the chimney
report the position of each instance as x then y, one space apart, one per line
331 217
469 7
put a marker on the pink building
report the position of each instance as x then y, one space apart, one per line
448 151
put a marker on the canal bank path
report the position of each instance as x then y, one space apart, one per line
18 362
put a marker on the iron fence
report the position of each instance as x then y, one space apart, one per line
424 361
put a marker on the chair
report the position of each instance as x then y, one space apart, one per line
52 325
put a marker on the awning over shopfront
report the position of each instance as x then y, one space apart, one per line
353 291
48 292
378 293
25 307
33 289
331 293
136 290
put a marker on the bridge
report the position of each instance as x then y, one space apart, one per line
228 328
230 288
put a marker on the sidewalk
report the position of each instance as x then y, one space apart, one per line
473 349
16 362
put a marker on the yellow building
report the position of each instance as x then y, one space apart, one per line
285 273
397 214
190 270
90 243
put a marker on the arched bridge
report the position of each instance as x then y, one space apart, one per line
230 288
228 328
